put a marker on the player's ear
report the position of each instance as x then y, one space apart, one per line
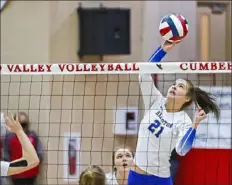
187 99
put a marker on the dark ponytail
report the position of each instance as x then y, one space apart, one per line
206 101
203 99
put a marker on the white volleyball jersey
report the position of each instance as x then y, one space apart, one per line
4 168
111 179
160 131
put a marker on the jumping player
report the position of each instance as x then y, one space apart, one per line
29 159
166 126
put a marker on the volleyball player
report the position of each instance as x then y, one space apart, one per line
122 159
28 160
93 175
166 126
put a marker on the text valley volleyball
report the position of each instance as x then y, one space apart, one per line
69 68
116 68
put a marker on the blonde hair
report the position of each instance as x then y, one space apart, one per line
93 175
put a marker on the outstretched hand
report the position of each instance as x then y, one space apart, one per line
166 46
11 124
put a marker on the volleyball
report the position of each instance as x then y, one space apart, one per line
173 27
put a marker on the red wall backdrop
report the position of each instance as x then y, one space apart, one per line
205 167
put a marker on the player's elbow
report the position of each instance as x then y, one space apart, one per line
183 150
33 163
36 160
181 153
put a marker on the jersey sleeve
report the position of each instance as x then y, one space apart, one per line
4 168
186 136
149 92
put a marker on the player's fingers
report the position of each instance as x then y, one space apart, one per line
199 108
8 122
17 118
11 116
177 42
168 43
198 112
201 112
203 117
5 116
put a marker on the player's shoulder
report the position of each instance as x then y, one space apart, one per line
111 179
110 175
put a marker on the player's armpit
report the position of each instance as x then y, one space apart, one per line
186 142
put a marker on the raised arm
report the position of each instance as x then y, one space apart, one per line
29 159
149 92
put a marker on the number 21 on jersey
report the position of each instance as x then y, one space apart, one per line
155 128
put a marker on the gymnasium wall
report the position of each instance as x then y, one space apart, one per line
46 32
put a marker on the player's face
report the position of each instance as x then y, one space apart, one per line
178 91
123 159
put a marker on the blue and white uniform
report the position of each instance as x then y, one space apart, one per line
159 133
